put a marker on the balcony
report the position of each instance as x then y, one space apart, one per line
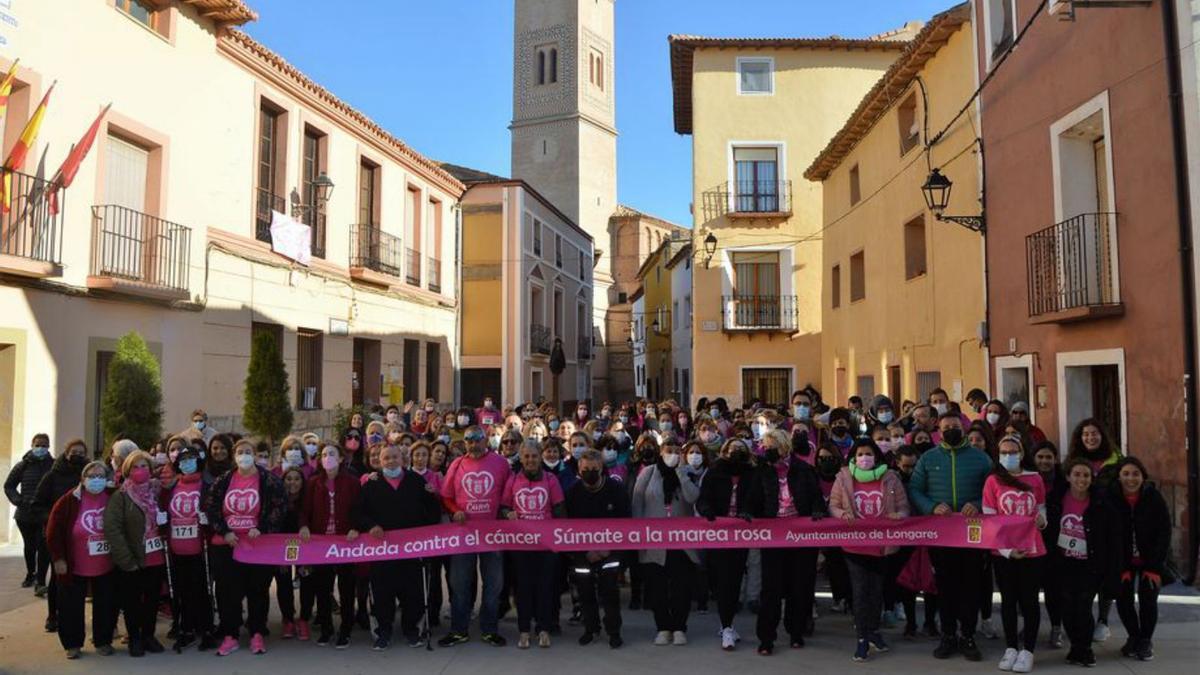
583 348
1071 271
139 254
30 235
759 313
539 339
265 204
435 274
375 255
749 200
412 265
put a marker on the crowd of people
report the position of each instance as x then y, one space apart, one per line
144 531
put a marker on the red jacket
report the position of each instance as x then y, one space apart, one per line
60 529
314 513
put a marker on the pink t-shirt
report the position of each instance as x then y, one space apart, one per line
488 417
868 503
532 499
787 506
90 551
241 506
1000 499
618 472
475 485
183 512
1072 537
433 479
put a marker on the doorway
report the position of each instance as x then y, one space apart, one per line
1092 384
365 377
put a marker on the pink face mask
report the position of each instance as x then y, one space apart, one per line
140 475
330 462
865 462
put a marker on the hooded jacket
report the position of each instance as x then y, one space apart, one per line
762 500
1148 525
62 478
717 488
21 487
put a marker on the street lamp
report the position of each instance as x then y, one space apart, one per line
710 248
322 186
937 196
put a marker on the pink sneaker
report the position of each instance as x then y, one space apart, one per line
289 630
256 644
302 630
228 646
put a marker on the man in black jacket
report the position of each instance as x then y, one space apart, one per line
594 496
395 499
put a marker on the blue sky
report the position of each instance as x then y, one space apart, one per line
439 74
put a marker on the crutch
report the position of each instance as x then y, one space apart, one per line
175 616
208 586
426 633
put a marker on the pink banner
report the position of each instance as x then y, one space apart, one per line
562 535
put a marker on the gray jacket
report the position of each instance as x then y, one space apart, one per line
649 502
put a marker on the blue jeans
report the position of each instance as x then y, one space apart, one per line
462 572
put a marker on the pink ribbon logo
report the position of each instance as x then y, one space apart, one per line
241 501
868 503
531 500
93 520
477 484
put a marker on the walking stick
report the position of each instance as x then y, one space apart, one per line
175 617
208 585
425 630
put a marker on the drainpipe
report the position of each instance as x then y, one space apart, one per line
458 309
1183 207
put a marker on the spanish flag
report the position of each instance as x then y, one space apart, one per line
6 87
16 158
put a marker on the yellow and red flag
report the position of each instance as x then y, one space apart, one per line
16 157
70 166
6 87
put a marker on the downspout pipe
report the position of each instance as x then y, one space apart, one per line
1187 274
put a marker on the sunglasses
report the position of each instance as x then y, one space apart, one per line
509 442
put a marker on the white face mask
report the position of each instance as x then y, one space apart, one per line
311 449
245 461
552 465
993 418
1011 463
294 457
695 460
941 408
671 461
462 420
758 430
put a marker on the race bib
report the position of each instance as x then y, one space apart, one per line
98 547
160 517
154 544
1074 547
203 518
184 531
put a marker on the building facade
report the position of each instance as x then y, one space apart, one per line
680 265
527 285
564 135
653 325
903 302
166 229
1082 188
758 111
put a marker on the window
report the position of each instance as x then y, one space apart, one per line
756 302
596 68
558 312
144 13
411 376
535 384
412 233
582 266
675 322
541 66
835 286
537 237
756 175
435 255
858 277
756 76
772 386
914 248
893 374
126 166
433 370
313 165
1001 25
622 298
855 186
271 125
866 387
309 358
368 180
910 130
927 381
558 256
687 302
553 65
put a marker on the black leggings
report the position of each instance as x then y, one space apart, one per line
788 576
71 610
237 581
1018 580
956 572
138 592
669 589
727 566
37 557
191 594
1141 620
347 582
1077 588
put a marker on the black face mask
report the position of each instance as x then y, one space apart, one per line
771 455
590 476
77 461
739 456
828 466
800 443
953 437
922 447
839 432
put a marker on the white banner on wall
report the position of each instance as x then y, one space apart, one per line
290 238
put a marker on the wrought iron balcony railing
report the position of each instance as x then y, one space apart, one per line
412 266
1070 265
435 274
28 229
539 339
265 204
136 246
372 248
752 198
759 313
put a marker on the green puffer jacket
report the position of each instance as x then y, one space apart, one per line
953 476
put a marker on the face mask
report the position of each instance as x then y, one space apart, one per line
623 419
261 461
590 476
695 460
199 424
140 475
865 462
187 466
581 413
840 431
671 461
758 430
885 446
993 418
494 442
666 426
650 412
739 456
952 437
714 413
1011 463
444 438
621 436
487 404
95 484
329 462
159 460
577 451
245 461
596 435
351 444
462 420
428 408
393 473
886 416
294 457
828 466
554 425
553 465
610 455
605 413
803 411
374 438
941 408
310 449
39 451
449 424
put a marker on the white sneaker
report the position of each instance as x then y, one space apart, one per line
1024 662
662 638
838 606
901 616
1056 638
988 630
1007 661
679 638
1101 633
728 639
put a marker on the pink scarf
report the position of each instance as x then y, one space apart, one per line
144 496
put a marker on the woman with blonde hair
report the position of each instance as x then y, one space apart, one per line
131 530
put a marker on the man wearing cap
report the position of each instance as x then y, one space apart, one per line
1019 417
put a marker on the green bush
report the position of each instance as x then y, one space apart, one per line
132 401
267 410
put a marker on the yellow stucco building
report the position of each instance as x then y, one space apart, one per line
652 327
758 111
903 303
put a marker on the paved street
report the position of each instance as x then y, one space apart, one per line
25 648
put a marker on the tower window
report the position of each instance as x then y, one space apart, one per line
541 67
546 64
596 69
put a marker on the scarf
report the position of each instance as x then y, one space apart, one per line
868 475
143 496
670 481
